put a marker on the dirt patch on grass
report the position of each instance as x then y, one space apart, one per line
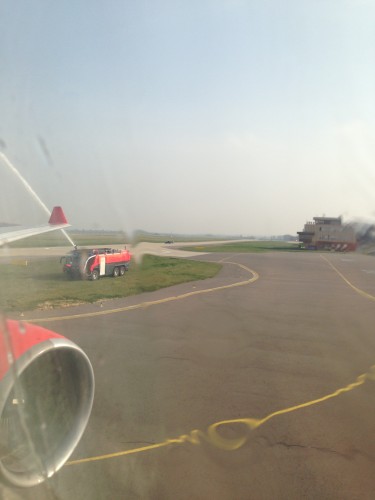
57 304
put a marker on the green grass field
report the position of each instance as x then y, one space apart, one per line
101 238
42 285
246 247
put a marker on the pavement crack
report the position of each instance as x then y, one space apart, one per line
174 357
350 454
316 448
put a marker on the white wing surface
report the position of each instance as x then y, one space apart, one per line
14 233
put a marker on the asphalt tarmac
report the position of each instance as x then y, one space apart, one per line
230 388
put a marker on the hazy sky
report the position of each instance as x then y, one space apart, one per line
240 117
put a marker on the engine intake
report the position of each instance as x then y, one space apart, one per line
46 396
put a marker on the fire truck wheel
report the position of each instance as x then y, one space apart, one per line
122 270
95 275
116 272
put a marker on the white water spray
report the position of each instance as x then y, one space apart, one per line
31 191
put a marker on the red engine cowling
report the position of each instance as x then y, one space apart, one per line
46 396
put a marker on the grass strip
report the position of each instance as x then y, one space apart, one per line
245 247
41 283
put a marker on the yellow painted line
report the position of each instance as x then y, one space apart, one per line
356 289
212 435
254 277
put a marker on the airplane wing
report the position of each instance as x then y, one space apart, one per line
56 221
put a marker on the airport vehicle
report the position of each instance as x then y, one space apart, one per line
46 391
97 262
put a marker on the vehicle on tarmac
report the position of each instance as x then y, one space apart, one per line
95 263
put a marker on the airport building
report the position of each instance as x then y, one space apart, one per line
328 233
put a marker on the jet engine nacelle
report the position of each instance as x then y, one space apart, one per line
46 396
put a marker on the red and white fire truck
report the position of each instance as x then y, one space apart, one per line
96 262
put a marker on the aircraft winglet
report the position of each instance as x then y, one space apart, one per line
56 221
57 217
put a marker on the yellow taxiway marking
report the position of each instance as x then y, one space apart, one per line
356 289
254 277
212 435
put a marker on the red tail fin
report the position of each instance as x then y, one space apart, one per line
57 217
